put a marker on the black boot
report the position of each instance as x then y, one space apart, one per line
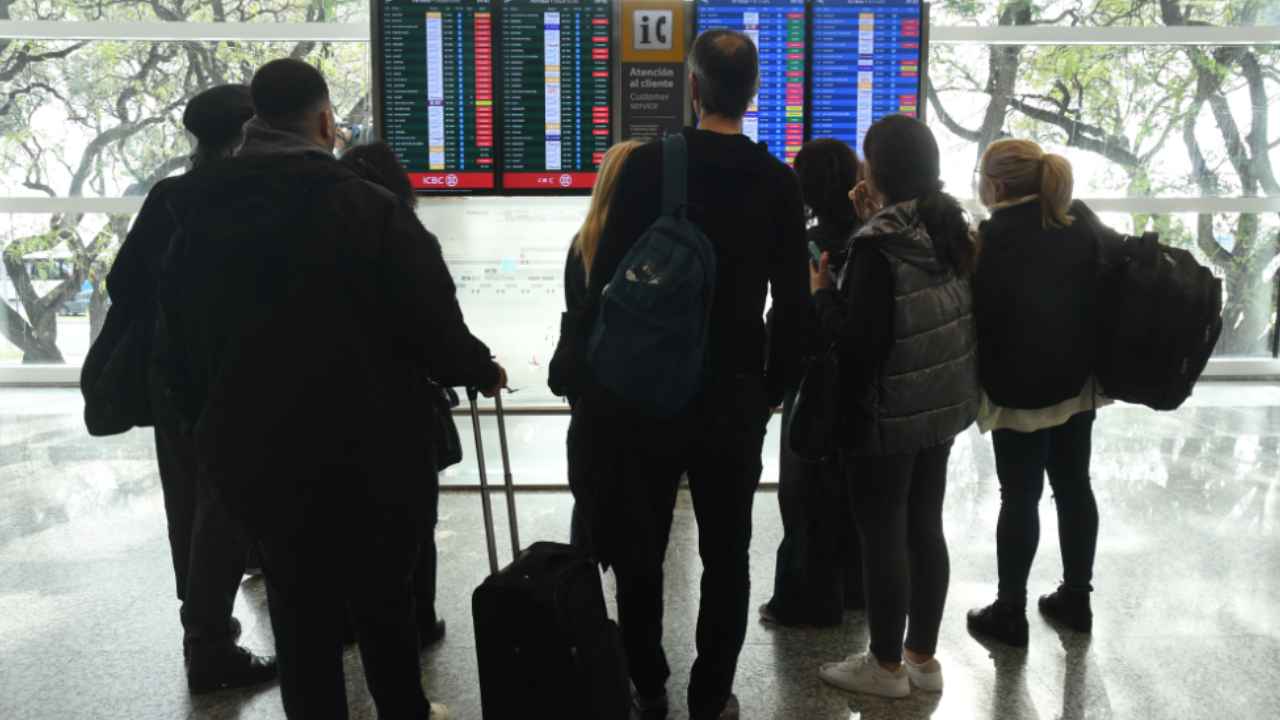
214 671
430 634
236 628
1071 606
1002 620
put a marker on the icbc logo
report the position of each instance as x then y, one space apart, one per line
437 180
565 181
451 180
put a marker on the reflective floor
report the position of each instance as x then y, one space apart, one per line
1187 604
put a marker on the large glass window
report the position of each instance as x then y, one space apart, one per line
104 118
1141 123
232 11
1105 13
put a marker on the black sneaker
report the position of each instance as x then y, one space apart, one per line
1070 606
240 669
1004 621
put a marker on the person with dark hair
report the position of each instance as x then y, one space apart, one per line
1033 300
323 456
904 335
378 163
819 561
387 170
724 65
209 548
748 205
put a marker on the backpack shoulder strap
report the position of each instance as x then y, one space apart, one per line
675 171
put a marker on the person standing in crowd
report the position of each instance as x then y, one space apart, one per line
748 204
315 447
819 570
582 251
1033 299
577 268
209 548
905 338
378 162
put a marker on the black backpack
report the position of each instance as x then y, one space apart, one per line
1159 318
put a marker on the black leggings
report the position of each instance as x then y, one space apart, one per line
1021 462
897 501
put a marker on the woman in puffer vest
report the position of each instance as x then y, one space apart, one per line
903 329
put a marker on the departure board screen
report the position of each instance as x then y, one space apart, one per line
556 90
866 64
776 115
437 92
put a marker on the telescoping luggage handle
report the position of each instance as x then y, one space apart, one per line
473 395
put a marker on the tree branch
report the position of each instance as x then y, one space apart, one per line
947 121
1109 146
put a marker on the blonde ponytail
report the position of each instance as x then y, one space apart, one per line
1025 170
588 238
1056 184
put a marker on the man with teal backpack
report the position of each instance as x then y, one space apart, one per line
701 228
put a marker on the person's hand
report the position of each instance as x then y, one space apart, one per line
502 383
820 274
863 203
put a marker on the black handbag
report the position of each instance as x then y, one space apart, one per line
811 434
444 431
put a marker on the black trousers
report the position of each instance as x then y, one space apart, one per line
1022 459
309 593
424 582
897 500
209 548
819 562
718 442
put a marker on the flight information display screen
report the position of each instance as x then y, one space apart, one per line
556 87
866 64
437 92
776 115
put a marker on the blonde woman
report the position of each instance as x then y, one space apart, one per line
583 249
582 252
1033 302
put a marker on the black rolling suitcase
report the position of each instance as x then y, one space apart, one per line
545 645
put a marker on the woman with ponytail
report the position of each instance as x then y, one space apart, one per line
903 329
818 573
582 251
1033 300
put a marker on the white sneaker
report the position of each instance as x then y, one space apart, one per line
863 674
439 712
926 676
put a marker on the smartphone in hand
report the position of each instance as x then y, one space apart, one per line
816 252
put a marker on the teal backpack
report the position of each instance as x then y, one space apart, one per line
649 344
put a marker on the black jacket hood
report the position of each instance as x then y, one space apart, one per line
269 181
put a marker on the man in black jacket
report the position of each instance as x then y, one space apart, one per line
123 388
749 205
299 304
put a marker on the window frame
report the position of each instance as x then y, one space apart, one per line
939 35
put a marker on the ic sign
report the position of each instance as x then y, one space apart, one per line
652 30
